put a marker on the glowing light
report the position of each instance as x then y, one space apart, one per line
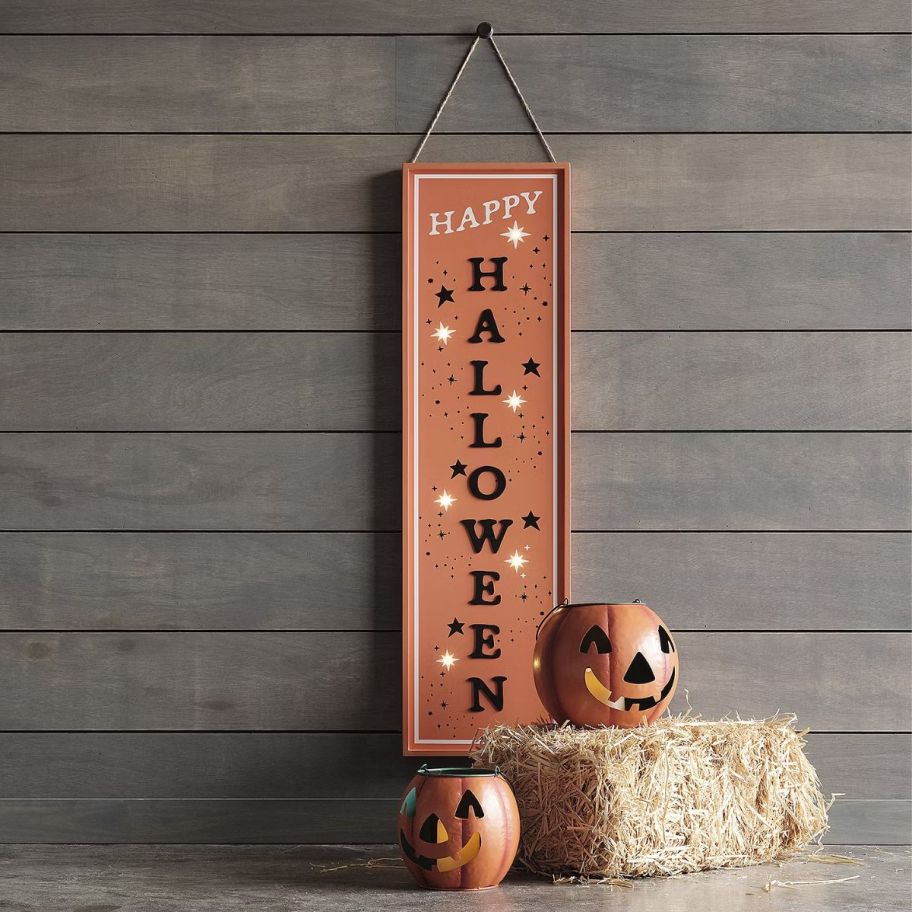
445 501
515 235
517 561
448 660
442 334
514 400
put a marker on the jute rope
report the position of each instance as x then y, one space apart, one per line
484 30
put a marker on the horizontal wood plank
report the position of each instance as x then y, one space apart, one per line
328 382
93 84
343 482
205 581
333 681
867 767
662 84
750 580
708 381
189 820
210 381
281 765
343 282
876 822
741 281
438 16
170 821
228 281
668 182
716 481
339 681
254 581
350 482
631 83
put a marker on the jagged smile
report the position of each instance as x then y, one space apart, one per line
603 694
448 862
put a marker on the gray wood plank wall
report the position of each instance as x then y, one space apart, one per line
199 520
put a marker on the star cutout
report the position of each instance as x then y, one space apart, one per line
520 436
456 626
530 520
531 367
459 468
444 295
515 235
443 333
445 500
516 561
514 400
525 289
447 660
451 379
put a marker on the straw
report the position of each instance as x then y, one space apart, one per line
678 796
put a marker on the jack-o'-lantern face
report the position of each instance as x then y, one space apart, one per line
458 828
434 832
605 665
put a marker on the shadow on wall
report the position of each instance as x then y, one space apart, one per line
386 455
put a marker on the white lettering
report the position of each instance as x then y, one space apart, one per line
438 222
531 199
468 216
490 207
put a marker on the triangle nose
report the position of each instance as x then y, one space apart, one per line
433 830
639 671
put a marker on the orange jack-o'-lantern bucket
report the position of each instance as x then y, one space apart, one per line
605 664
458 828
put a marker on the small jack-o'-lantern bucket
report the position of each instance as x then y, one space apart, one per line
605 664
458 828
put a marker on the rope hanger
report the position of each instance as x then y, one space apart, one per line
484 30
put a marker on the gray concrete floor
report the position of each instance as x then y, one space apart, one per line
297 878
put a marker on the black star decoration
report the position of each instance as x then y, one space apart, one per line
531 367
455 627
531 520
525 289
444 295
459 468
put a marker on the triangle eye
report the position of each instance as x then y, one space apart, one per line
665 640
466 803
595 635
409 803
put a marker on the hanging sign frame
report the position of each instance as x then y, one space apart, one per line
486 472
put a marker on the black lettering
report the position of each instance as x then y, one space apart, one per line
494 697
500 482
481 587
496 273
487 533
482 642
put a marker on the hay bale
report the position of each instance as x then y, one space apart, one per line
677 796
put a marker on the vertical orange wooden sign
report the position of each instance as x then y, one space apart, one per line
486 441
